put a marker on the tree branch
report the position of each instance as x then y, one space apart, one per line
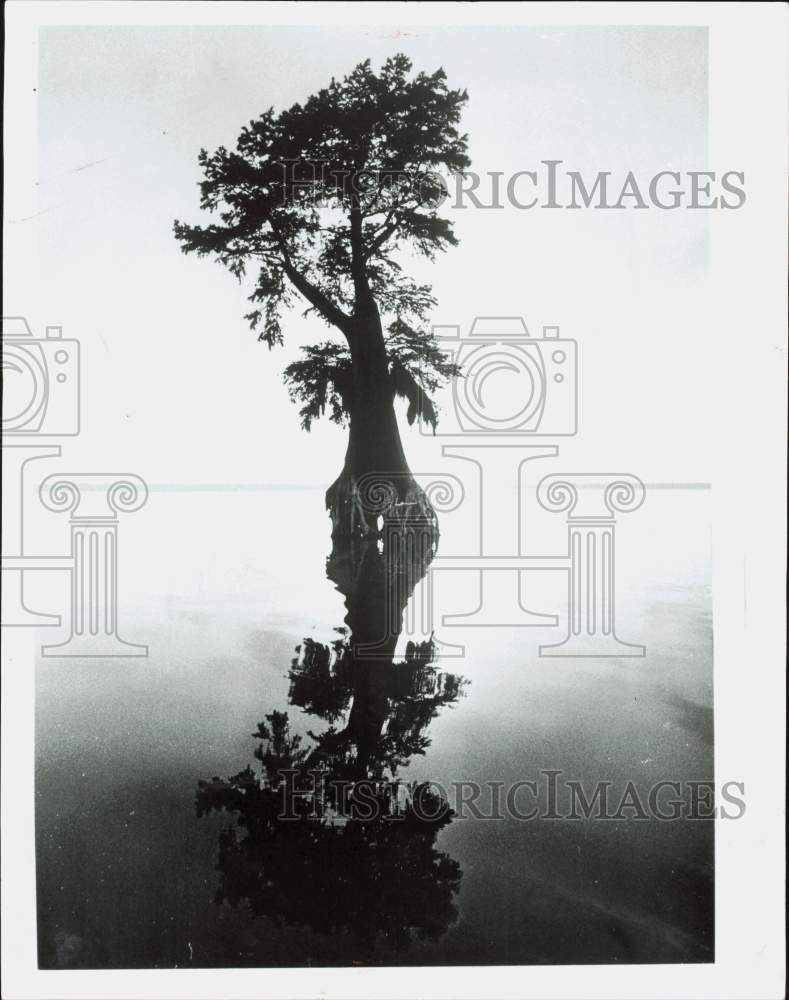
311 293
380 239
361 286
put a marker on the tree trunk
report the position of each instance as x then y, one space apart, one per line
375 484
377 584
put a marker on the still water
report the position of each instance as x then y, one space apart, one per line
224 587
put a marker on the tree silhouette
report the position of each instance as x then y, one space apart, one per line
321 199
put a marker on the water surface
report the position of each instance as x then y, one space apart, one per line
127 873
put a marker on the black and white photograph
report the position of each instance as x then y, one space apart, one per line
393 553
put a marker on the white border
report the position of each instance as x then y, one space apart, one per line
748 114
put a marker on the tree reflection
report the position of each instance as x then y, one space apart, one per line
327 836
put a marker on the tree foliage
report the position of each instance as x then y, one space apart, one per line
321 380
322 200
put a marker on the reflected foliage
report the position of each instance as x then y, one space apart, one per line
326 835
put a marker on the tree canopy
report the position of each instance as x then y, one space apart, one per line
322 200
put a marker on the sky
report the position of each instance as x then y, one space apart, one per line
175 386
